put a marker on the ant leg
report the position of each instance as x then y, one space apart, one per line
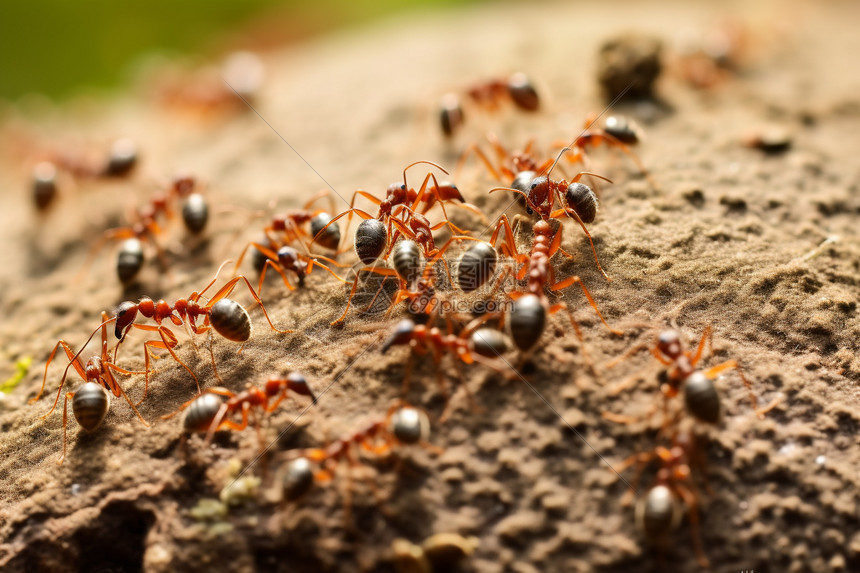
270 254
314 262
630 352
714 371
379 270
706 335
612 141
693 514
73 359
319 195
110 234
473 148
585 355
212 355
115 387
623 385
576 280
622 419
279 270
65 420
168 342
407 375
476 408
228 288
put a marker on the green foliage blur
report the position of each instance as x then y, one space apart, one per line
58 47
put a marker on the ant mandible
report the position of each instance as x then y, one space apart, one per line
90 402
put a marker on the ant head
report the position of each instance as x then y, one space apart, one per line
402 334
288 257
125 314
183 185
669 343
396 188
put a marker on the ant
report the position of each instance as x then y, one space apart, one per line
287 228
516 88
227 317
274 250
577 201
145 226
286 258
618 132
90 402
658 513
403 425
531 306
374 232
209 412
210 91
700 395
425 338
710 59
120 163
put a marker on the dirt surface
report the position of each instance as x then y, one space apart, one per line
762 247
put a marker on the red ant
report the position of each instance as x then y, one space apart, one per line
700 395
528 315
519 167
225 316
400 199
288 227
209 413
403 425
285 229
576 200
208 91
708 60
424 338
618 132
658 512
285 258
531 306
120 163
145 225
90 402
516 88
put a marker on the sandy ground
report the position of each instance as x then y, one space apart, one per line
761 247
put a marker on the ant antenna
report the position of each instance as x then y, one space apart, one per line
439 167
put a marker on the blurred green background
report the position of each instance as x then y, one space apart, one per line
60 47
